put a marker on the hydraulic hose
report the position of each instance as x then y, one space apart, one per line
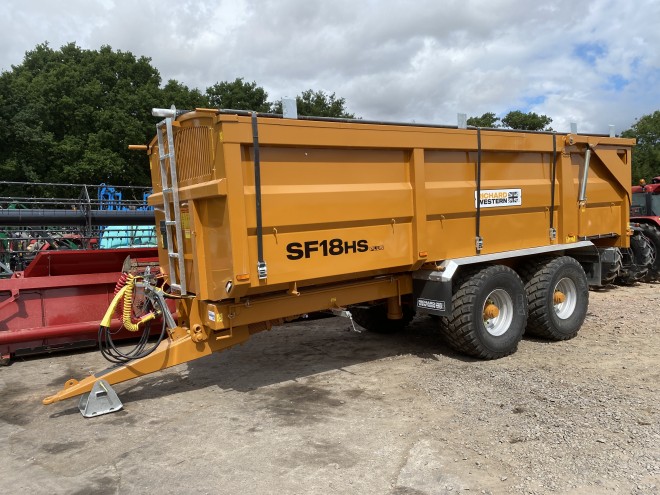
123 301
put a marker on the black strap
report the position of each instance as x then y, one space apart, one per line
257 187
478 219
552 184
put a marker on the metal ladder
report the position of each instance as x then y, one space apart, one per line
169 184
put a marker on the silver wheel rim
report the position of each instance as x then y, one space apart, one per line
565 309
499 324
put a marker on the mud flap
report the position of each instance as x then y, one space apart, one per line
101 400
432 293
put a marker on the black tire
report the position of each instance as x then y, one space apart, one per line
543 282
374 318
638 261
612 270
468 331
652 233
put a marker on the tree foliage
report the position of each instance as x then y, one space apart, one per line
318 104
513 120
489 119
238 95
646 155
182 97
526 121
68 115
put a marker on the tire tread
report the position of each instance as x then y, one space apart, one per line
459 328
652 233
537 277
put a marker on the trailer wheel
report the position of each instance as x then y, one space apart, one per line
374 318
489 313
652 233
558 295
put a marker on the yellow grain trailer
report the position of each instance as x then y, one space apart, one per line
261 219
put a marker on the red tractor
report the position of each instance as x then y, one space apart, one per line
645 214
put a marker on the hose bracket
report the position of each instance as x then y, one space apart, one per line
155 295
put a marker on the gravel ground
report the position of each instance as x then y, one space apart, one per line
314 407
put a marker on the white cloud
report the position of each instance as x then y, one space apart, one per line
594 62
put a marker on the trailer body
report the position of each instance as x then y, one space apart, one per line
345 201
261 219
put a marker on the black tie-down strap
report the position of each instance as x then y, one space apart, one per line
479 242
553 232
261 264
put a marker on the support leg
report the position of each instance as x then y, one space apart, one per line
168 353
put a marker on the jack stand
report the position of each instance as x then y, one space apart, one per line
344 313
101 400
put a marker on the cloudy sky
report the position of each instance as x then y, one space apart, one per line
594 62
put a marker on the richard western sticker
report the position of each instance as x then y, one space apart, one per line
489 198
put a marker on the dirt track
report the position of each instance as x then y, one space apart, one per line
317 408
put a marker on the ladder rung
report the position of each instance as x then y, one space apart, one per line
170 222
174 255
176 287
167 190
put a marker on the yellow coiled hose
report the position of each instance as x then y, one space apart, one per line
126 293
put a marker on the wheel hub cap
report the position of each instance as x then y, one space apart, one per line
497 312
491 311
559 297
565 298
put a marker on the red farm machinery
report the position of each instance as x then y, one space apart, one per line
645 216
63 251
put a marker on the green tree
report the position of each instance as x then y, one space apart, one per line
238 95
526 121
318 104
182 97
486 120
646 155
68 115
